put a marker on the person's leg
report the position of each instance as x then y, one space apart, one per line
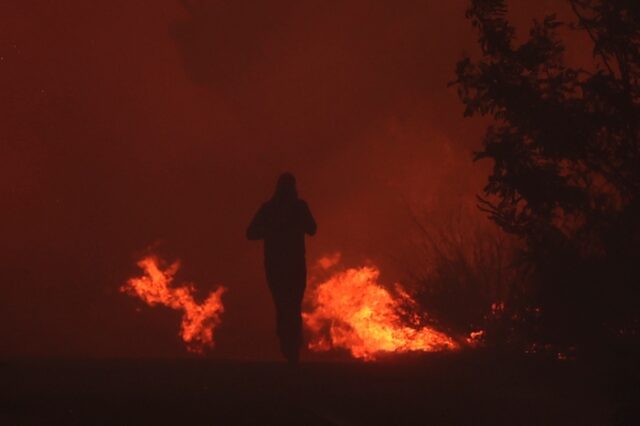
280 304
296 319
284 323
287 296
292 321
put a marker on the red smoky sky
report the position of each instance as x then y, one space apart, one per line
130 123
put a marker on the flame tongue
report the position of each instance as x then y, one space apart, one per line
198 320
351 310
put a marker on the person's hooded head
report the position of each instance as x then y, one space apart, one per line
286 188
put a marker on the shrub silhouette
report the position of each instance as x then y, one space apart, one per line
564 144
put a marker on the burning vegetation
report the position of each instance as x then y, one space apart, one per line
199 320
349 309
353 311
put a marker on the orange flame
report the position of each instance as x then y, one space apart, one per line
475 338
351 310
198 320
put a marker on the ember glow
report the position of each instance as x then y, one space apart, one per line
475 338
199 320
351 310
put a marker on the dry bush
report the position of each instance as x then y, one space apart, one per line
465 273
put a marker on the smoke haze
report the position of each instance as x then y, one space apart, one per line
126 124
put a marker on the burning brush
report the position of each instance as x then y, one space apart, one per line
199 320
351 310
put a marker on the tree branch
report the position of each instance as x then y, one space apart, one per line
583 21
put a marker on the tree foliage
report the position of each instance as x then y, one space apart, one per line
566 156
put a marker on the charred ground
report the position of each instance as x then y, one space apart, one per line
465 388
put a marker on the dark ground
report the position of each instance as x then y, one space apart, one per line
466 388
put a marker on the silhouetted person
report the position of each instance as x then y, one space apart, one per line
282 223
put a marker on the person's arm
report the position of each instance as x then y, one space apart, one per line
308 222
256 229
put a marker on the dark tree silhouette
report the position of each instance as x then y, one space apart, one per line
566 153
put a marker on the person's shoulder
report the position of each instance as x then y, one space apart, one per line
265 206
302 203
